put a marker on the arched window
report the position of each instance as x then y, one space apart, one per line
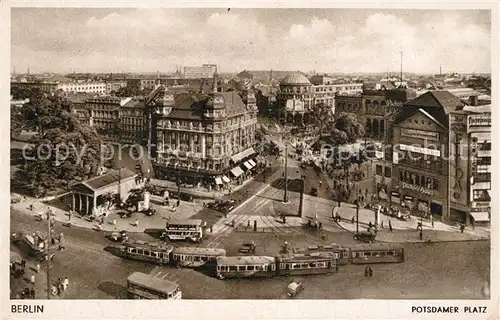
375 103
368 101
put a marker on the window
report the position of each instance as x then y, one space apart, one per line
233 268
483 177
379 170
387 172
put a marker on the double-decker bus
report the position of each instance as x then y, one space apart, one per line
145 251
144 286
195 256
190 229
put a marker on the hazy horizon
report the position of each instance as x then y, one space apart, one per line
82 40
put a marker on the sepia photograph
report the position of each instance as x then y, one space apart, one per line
250 153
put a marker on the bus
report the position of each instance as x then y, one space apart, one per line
302 264
245 266
158 253
377 253
191 229
196 257
145 286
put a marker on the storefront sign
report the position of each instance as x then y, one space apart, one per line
479 121
427 151
417 188
395 197
481 204
420 134
395 157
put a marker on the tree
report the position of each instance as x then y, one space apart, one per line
109 198
322 114
64 149
135 196
271 148
346 129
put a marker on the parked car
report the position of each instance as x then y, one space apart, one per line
117 236
125 214
149 212
247 247
366 236
314 191
294 288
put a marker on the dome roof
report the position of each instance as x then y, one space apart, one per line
295 79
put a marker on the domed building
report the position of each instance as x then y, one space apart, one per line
295 98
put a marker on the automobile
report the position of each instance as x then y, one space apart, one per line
294 288
149 212
228 205
125 214
366 236
314 191
117 236
247 247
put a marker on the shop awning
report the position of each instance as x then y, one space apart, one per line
248 152
225 179
218 180
480 216
247 165
237 172
252 162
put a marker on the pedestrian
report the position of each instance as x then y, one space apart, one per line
211 228
352 220
136 223
53 290
472 224
366 271
462 228
323 237
370 271
37 268
390 226
69 215
114 221
432 222
420 235
370 225
32 279
320 226
32 293
31 207
382 224
23 263
65 283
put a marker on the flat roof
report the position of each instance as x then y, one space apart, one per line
245 260
151 282
185 221
319 255
200 251
376 246
148 245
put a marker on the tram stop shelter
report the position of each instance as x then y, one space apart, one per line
87 196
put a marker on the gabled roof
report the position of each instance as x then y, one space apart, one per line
245 75
93 184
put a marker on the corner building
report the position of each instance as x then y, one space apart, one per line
202 138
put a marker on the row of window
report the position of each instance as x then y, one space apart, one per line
145 252
246 268
317 264
141 291
380 170
481 195
183 257
426 162
375 254
417 179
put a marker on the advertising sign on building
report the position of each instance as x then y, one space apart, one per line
417 188
475 122
295 105
416 149
420 134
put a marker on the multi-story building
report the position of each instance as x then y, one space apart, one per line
47 87
441 159
105 115
140 84
115 85
206 138
206 71
297 95
132 121
98 87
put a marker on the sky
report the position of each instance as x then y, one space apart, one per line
325 40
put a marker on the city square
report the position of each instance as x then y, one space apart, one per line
185 179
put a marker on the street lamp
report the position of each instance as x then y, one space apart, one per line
285 194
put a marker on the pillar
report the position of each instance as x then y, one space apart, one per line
203 146
94 204
80 205
191 143
73 201
87 208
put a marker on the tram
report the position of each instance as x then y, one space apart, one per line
341 253
158 253
245 266
196 257
302 264
376 253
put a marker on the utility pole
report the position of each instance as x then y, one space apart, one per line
357 212
285 195
47 248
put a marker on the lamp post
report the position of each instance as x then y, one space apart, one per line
47 246
285 194
357 212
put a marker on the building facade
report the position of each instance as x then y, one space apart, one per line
203 137
115 85
105 115
132 125
441 159
98 87
46 87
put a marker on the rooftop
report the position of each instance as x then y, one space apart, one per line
295 79
99 182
